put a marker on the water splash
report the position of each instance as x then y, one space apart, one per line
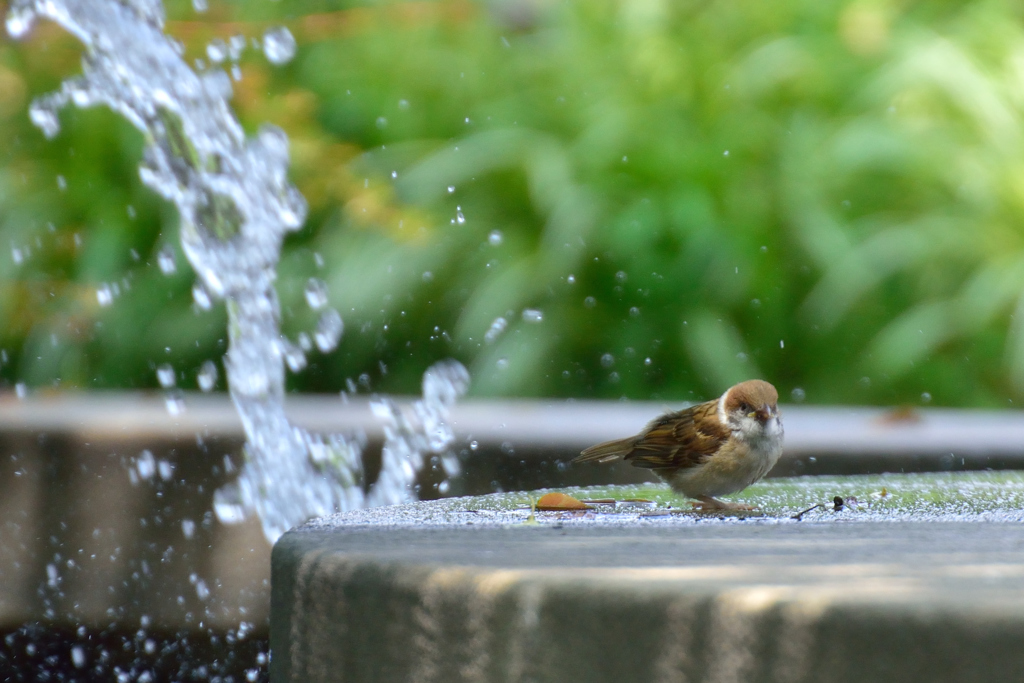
236 206
409 435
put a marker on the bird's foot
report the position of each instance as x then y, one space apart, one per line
709 503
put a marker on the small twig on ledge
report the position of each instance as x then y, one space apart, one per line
838 504
799 515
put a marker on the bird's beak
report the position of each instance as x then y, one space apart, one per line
763 415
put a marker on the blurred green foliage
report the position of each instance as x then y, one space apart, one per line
659 198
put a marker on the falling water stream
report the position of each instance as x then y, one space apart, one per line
236 206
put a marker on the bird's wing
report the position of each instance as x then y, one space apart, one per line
679 440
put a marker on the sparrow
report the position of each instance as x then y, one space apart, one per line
711 449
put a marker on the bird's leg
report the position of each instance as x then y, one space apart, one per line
709 503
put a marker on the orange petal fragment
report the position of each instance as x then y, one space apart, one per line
560 501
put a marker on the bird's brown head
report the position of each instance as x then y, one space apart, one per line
754 398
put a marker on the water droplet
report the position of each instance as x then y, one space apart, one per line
188 528
502 364
279 45
459 218
443 487
495 330
236 44
621 276
104 295
328 330
647 361
207 376
228 505
78 656
200 5
403 104
165 469
634 311
62 184
926 397
473 445
725 153
495 238
451 189
167 261
165 375
590 302
174 401
742 357
217 50
428 276
145 465
571 279
782 343
798 395
382 122
316 293
532 315
294 357
607 360
16 256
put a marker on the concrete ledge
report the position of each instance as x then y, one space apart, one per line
668 601
819 439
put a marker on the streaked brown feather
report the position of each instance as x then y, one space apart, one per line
607 451
675 440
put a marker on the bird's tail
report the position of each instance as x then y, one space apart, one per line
607 451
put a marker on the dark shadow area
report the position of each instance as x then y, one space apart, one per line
36 651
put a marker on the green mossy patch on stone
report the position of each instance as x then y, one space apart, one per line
920 495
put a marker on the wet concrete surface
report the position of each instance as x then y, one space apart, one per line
923 581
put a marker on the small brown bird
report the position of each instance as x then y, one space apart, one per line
711 449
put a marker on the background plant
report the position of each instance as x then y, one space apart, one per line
656 198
